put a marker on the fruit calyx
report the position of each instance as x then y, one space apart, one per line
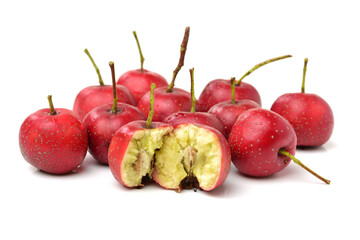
298 162
101 82
51 105
182 58
142 59
151 109
304 74
260 65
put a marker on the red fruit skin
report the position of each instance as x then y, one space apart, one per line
96 96
256 139
166 102
53 143
228 112
219 90
310 116
195 118
101 125
225 157
120 142
139 82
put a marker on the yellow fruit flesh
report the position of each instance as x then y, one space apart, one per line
138 158
188 149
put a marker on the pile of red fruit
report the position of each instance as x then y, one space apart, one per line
146 129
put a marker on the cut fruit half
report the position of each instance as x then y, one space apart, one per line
192 156
131 151
188 156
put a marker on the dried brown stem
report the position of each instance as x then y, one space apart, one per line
182 58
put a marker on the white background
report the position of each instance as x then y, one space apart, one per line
41 53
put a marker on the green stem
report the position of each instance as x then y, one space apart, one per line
151 110
297 161
193 99
260 65
101 82
52 109
233 101
142 59
304 74
114 107
182 58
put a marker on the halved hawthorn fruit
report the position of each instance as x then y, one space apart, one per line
184 156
